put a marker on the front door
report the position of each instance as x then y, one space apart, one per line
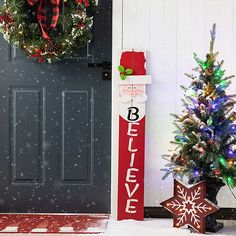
55 123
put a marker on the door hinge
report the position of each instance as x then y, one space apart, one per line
106 69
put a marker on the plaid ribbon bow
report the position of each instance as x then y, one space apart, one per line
41 14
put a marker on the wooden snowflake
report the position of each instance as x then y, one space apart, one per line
190 206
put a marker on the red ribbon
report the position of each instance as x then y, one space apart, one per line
42 16
86 2
6 18
38 55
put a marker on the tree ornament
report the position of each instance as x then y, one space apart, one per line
209 72
208 89
54 36
190 206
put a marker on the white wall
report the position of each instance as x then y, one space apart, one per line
171 30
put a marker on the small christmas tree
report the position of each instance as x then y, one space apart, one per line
206 132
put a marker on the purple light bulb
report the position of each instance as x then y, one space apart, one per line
230 152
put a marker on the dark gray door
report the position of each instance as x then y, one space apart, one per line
55 123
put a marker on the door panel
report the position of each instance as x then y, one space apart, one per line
55 129
27 130
77 143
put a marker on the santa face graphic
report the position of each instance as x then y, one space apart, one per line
132 92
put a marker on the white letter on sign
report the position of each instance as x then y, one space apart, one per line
130 146
132 130
132 159
129 208
129 176
130 194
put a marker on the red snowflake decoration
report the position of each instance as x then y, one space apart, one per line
190 206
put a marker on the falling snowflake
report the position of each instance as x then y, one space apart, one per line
190 206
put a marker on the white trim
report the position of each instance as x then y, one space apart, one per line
117 39
136 79
10 229
40 230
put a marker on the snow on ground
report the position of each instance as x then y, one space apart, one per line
158 227
149 227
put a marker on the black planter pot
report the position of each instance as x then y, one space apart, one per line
213 185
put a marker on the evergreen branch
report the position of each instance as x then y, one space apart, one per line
176 143
178 126
190 76
213 36
229 77
166 157
176 116
184 88
221 63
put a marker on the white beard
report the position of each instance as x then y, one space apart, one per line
137 99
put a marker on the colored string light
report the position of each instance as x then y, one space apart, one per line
222 161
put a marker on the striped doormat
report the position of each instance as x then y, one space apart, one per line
53 223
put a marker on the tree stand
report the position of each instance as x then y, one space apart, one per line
213 185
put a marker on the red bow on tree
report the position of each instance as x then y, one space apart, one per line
42 16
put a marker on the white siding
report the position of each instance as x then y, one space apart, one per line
171 30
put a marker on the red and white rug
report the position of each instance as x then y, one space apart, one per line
53 223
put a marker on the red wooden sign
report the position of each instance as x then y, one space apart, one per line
132 137
134 60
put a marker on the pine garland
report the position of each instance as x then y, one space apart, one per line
73 29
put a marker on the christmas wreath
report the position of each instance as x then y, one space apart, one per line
47 30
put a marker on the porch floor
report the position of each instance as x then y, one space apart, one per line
149 227
162 227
